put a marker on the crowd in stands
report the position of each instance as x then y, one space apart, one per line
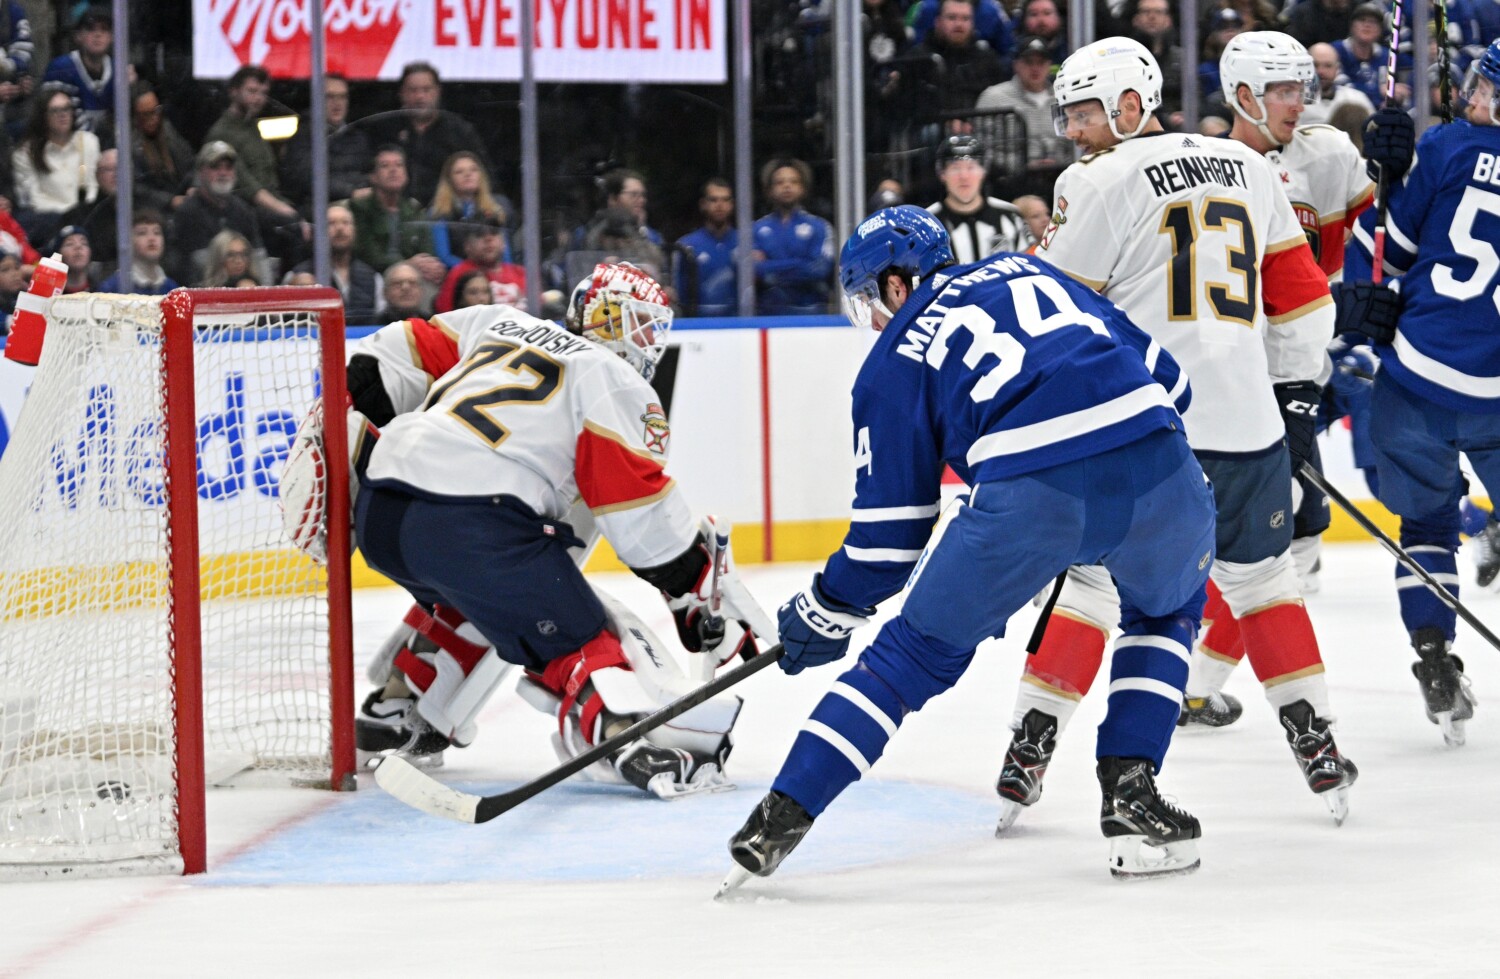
420 222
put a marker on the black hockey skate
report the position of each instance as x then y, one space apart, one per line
1148 836
773 830
1026 762
392 726
1449 700
1215 710
1328 773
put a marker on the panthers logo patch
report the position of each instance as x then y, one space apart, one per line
657 431
1307 216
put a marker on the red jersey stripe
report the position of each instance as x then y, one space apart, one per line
1291 280
613 476
434 349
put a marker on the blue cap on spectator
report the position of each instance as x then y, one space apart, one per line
63 234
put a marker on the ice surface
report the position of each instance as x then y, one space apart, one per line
901 876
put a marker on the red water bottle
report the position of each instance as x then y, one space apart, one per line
29 323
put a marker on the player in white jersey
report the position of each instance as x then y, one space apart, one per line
1269 78
508 445
1196 240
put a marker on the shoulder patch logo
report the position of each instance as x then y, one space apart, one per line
1059 218
657 431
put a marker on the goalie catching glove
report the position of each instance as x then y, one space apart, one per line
303 489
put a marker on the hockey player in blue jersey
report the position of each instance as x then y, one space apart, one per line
1064 417
1437 392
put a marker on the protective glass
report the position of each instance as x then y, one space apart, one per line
1084 115
1292 93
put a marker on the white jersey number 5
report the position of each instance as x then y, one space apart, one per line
1486 262
1007 349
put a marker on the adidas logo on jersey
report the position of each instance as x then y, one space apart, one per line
1188 141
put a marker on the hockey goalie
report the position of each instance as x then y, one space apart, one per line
490 451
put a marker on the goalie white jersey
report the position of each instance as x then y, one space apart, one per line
1196 240
1324 177
530 411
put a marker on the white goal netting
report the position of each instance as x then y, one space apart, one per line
91 645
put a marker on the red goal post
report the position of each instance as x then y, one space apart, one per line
158 633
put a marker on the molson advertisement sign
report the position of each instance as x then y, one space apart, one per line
678 41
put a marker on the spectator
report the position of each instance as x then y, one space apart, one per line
349 150
72 243
958 65
793 249
13 239
54 165
1044 19
1029 95
403 295
147 244
1361 55
163 159
98 216
463 195
390 226
355 280
615 235
991 24
472 288
210 208
1334 89
88 73
245 282
888 193
1350 119
16 51
256 179
715 289
12 283
623 190
1226 24
1258 15
1312 21
428 133
979 225
1037 212
307 279
483 253
1153 24
230 258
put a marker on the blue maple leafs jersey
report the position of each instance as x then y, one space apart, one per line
999 368
1442 237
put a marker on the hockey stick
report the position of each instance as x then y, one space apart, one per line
1383 185
1445 83
421 791
1399 553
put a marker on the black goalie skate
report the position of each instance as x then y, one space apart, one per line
1328 773
1215 710
773 830
392 726
1148 836
1026 762
1449 700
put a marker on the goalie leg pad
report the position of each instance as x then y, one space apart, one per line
455 681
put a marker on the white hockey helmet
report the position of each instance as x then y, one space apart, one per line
621 307
1257 59
1106 70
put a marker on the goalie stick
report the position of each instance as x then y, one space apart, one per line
419 790
1399 553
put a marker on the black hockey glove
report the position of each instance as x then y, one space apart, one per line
1299 401
1390 143
1368 308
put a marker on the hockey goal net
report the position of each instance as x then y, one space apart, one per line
157 631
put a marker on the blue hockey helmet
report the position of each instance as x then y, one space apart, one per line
907 239
1486 66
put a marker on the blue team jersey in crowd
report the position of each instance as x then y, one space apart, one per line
998 369
1442 234
797 272
718 292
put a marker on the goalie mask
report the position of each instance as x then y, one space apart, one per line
622 308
